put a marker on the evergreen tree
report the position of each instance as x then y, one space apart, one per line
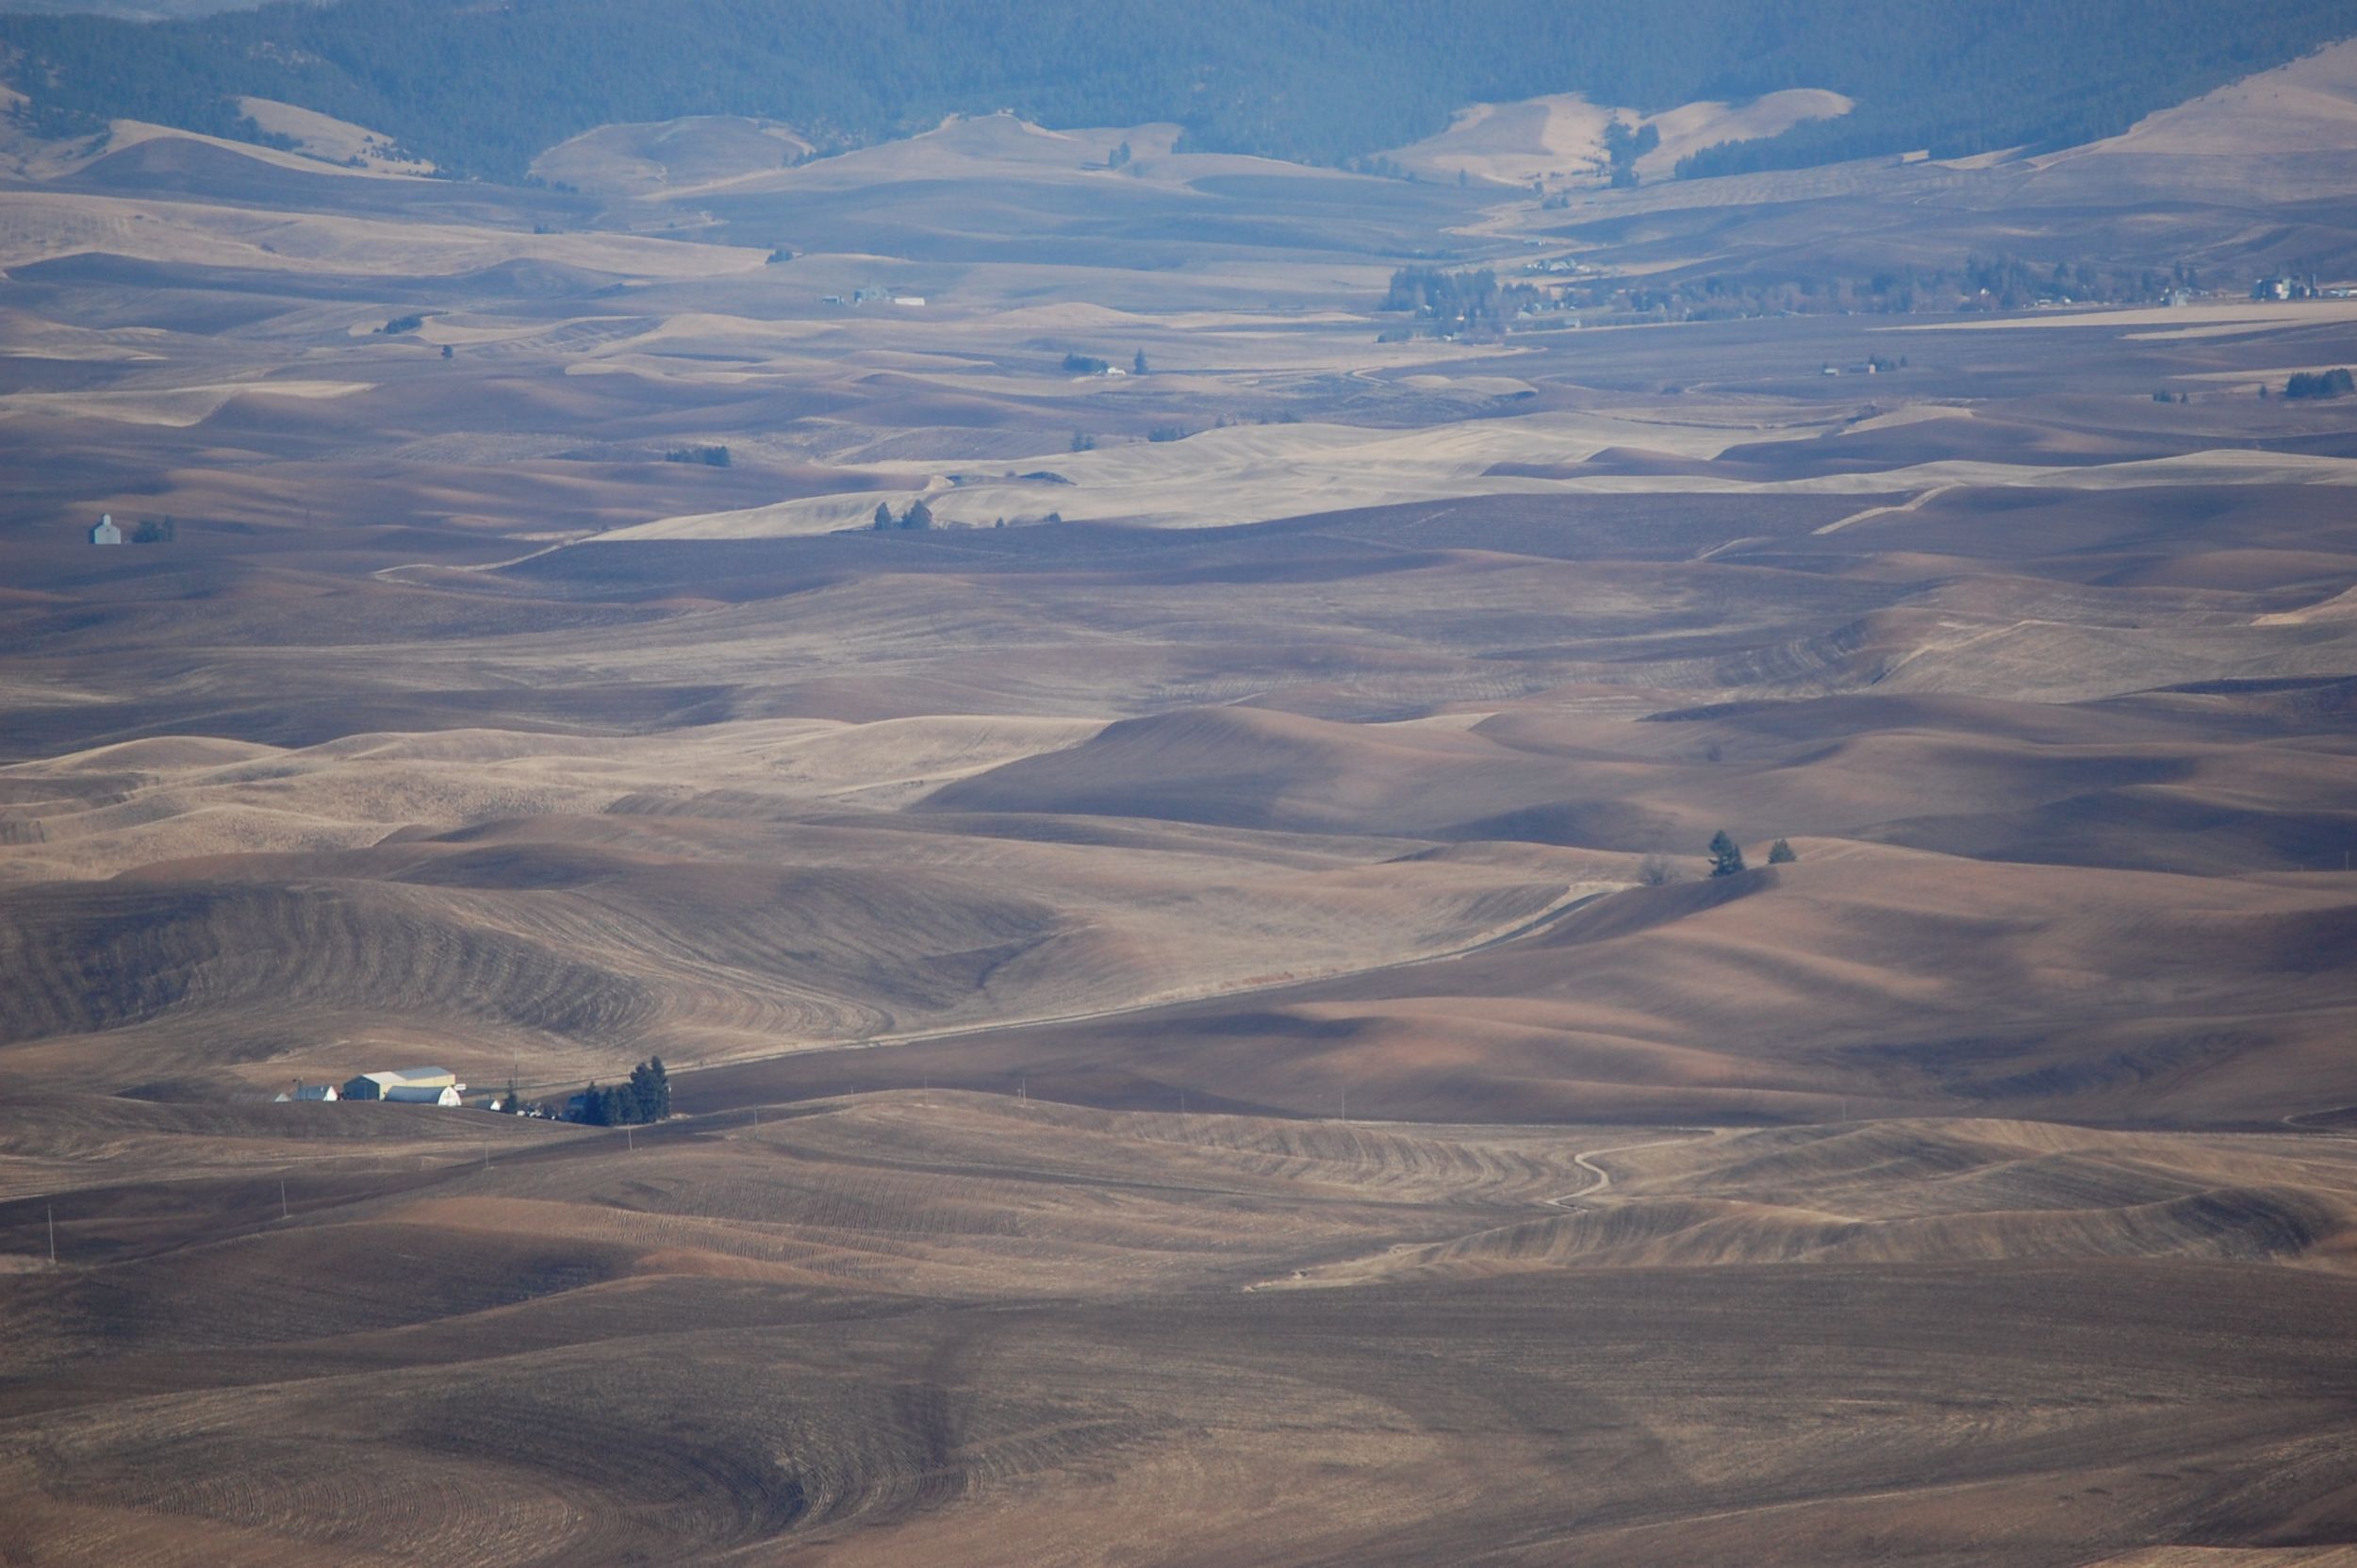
1726 855
1137 365
652 1090
917 515
597 1107
883 514
1780 853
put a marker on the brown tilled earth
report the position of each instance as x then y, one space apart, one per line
1199 1026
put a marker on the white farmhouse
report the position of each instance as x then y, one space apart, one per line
105 532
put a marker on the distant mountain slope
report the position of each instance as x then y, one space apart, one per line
482 89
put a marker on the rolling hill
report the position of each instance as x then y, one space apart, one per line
1270 77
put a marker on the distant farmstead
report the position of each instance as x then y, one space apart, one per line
408 1086
2284 286
105 532
310 1091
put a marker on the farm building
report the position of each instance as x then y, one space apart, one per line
408 1093
381 1085
309 1090
105 532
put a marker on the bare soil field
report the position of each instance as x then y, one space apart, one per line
1199 1025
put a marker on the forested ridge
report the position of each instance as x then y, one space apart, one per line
480 88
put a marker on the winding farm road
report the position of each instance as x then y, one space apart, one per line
1586 1159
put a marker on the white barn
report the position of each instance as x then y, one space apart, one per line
381 1085
105 532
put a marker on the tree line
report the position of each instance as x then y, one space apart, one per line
2005 282
481 90
645 1098
2321 384
1457 304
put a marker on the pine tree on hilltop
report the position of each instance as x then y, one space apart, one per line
1780 853
1726 855
883 514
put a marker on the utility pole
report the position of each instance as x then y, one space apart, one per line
53 1237
630 1140
283 1211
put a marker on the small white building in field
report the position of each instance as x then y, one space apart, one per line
105 532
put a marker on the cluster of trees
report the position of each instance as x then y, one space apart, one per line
647 1098
1726 855
1726 859
1980 283
2009 283
710 456
1622 147
1455 304
482 88
917 515
1379 166
154 531
2319 384
1088 364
